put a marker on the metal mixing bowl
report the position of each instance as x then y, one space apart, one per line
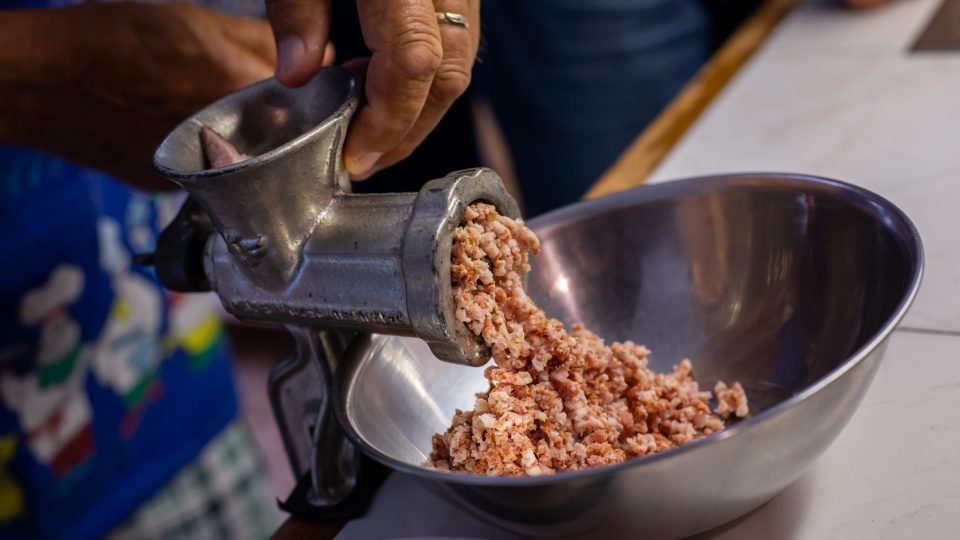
789 284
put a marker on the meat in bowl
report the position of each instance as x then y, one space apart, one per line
557 400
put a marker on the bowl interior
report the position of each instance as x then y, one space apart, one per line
771 280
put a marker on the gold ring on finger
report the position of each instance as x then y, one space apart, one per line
450 17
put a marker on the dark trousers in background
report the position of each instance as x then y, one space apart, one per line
571 83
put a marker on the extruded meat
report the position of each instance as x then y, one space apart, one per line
557 400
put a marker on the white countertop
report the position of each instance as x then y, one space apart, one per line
893 473
836 94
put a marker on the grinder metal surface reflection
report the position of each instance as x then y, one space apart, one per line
280 238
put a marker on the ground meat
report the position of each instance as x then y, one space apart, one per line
219 151
731 401
557 400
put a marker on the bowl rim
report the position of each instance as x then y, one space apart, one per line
890 215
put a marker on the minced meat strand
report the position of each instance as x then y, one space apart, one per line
558 400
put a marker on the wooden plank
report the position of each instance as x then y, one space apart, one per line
640 159
942 34
300 529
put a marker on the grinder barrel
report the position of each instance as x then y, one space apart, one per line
295 247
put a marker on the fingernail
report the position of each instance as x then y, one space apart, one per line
363 163
290 51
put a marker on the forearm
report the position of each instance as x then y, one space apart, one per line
100 83
27 72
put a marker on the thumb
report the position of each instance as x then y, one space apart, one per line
301 29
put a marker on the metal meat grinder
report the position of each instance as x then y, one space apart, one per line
280 238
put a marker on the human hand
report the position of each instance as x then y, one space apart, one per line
108 81
417 70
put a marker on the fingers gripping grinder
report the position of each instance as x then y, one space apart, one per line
280 238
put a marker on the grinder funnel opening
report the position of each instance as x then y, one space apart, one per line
259 120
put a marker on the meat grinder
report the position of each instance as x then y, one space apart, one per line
280 238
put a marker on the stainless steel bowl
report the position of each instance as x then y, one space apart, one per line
789 284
